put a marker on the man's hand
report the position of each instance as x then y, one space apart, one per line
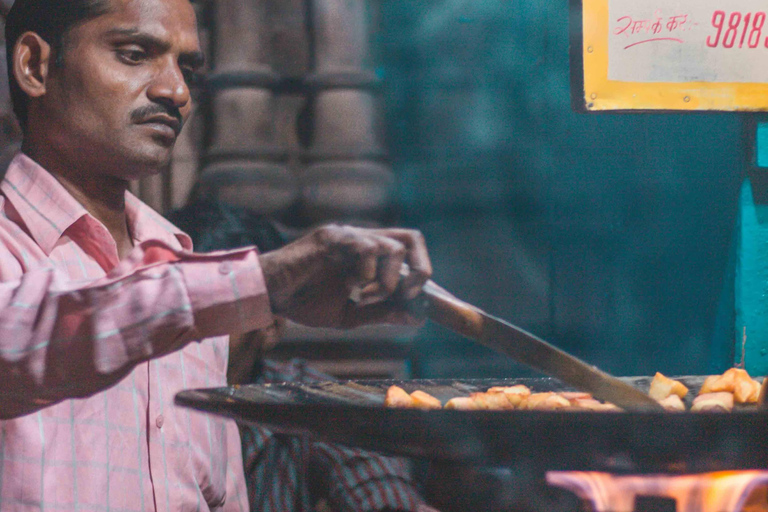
310 280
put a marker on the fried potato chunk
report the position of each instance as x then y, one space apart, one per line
746 391
493 401
515 394
545 402
463 403
725 382
422 400
575 395
586 404
735 380
672 403
721 401
591 404
663 387
398 397
519 389
709 384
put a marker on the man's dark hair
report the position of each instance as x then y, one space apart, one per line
51 20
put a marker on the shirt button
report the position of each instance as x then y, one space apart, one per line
159 421
225 268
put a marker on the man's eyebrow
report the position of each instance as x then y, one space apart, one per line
195 59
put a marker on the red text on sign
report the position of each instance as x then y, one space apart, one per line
737 30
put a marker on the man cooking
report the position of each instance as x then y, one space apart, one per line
105 313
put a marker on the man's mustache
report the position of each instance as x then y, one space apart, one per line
144 113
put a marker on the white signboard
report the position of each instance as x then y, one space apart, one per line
716 41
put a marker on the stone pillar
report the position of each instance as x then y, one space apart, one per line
346 176
243 165
289 42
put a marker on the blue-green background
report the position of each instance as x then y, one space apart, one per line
612 235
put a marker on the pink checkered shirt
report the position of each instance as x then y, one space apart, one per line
93 349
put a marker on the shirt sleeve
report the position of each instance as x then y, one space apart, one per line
60 341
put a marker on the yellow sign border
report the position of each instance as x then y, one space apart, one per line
603 94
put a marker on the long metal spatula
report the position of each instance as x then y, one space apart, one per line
512 341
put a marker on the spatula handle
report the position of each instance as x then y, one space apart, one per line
446 310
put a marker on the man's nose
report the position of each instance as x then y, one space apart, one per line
169 86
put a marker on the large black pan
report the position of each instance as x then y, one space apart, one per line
352 413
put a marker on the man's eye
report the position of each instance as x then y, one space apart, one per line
131 56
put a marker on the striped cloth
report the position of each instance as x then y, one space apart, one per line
286 473
93 350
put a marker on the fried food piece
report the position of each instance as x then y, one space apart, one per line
591 404
545 402
730 379
519 389
709 384
735 380
746 391
463 403
580 400
725 382
480 401
575 395
673 403
515 394
586 404
398 397
663 387
422 400
721 401
493 401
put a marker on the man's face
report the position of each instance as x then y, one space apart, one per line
118 102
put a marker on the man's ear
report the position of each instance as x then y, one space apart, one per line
31 60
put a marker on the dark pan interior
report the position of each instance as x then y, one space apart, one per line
352 413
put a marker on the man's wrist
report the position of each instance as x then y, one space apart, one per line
287 270
276 280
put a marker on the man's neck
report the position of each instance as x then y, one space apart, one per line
102 196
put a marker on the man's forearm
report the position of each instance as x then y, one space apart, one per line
60 341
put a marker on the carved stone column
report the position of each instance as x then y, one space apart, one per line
243 164
346 177
290 47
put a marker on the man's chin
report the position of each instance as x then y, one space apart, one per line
146 165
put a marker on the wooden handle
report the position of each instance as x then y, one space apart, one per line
446 310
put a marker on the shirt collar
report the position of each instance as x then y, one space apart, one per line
146 224
43 204
48 210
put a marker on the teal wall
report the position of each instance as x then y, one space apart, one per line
613 236
751 327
